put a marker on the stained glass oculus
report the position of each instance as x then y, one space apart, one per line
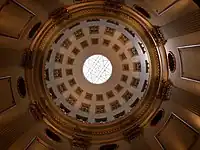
97 69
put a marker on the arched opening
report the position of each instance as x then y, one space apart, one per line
171 62
52 135
109 147
157 118
21 87
142 11
34 30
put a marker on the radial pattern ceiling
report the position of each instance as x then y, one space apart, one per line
99 51
97 71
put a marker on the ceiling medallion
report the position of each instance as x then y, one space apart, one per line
96 71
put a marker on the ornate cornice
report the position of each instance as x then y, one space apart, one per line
112 4
165 90
65 125
36 111
158 36
58 13
27 59
80 142
130 134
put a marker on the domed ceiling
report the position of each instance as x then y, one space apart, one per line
97 69
115 54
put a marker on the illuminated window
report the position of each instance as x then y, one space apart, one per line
97 69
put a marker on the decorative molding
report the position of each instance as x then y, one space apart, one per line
35 111
165 90
59 13
80 142
27 59
158 36
62 122
130 134
116 4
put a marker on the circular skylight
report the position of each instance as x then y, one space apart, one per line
97 69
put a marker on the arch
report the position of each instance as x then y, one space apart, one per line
142 11
21 87
52 135
171 62
157 118
34 30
